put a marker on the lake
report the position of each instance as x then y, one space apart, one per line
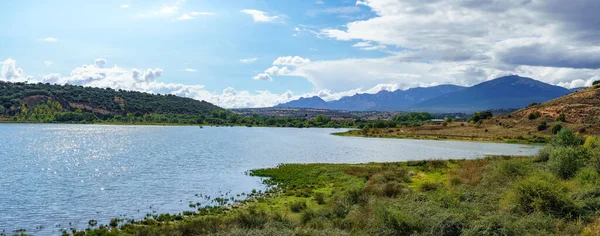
55 176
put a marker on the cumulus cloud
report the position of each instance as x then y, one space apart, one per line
557 34
10 71
334 10
262 76
248 60
146 81
290 61
260 16
194 14
100 62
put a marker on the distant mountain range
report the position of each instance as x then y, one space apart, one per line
504 92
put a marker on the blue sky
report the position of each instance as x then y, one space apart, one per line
222 51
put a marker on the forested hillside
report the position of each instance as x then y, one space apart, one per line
64 103
21 102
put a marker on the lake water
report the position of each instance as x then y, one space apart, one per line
53 175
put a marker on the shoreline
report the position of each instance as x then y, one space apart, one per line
315 199
443 137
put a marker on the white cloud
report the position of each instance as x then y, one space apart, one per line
368 46
134 79
48 63
10 72
262 76
100 62
334 10
168 9
49 39
274 70
194 14
190 70
290 61
125 6
248 60
260 16
319 2
503 33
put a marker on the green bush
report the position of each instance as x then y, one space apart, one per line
252 219
556 128
493 225
298 206
512 168
448 225
543 193
542 126
534 115
561 117
320 198
396 224
565 137
544 154
429 186
566 161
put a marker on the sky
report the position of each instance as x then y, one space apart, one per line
259 53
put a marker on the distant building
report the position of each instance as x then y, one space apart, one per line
436 120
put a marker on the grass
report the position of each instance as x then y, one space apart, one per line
496 130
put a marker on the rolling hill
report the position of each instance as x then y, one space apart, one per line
582 106
14 97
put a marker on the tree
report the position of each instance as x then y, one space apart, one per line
561 118
556 128
321 119
534 115
476 117
542 126
486 115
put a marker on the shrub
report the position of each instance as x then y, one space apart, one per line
544 154
591 143
486 115
596 82
556 128
320 198
448 224
252 219
512 168
543 193
534 115
307 216
493 225
566 161
298 206
561 117
542 126
396 224
357 196
565 137
435 164
392 189
429 186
